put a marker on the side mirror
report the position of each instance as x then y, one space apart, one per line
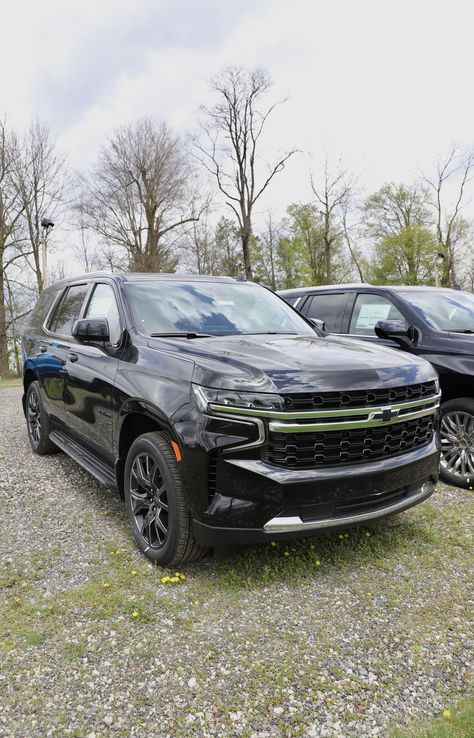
91 330
395 330
318 324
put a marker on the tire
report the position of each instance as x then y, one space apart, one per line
457 442
156 502
38 422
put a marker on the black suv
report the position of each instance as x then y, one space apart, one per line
220 414
435 323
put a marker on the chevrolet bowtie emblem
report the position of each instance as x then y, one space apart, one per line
385 414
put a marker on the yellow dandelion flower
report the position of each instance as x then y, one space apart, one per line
134 572
135 614
274 543
177 574
286 553
368 533
132 598
106 585
317 562
165 579
340 535
447 713
182 577
174 579
346 535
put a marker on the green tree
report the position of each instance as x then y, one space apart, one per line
398 221
406 257
228 246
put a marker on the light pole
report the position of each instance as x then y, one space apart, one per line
438 259
46 225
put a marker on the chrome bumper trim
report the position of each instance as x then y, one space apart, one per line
294 523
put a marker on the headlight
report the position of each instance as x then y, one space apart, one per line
437 386
258 400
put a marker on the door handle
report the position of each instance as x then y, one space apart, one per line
72 357
43 348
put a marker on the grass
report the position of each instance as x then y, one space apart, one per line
125 594
10 382
455 722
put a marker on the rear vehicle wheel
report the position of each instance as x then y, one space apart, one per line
38 422
156 503
457 442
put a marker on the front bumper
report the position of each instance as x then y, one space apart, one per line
264 502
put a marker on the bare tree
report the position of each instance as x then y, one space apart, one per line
138 195
201 254
451 228
230 141
40 179
348 230
333 194
266 251
11 241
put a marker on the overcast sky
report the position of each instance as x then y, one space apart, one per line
387 86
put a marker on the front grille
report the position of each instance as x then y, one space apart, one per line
358 398
314 449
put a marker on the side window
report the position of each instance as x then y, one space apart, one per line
68 310
103 305
290 300
368 310
328 307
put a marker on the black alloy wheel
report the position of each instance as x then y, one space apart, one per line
149 500
38 422
156 501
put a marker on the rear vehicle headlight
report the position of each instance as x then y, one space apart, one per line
206 396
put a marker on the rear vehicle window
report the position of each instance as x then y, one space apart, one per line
290 300
368 310
41 310
68 310
329 308
104 305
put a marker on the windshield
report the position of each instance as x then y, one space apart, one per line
212 308
448 310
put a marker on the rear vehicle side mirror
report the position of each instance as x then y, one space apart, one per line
91 330
318 323
395 330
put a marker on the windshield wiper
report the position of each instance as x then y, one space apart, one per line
269 333
183 334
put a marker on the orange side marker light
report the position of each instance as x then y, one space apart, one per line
176 450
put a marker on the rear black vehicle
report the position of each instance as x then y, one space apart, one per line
435 323
220 414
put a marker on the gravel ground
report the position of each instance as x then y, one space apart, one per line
345 636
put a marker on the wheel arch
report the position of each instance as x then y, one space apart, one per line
135 423
29 376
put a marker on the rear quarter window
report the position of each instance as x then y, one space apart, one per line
36 319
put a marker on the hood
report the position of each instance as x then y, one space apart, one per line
297 363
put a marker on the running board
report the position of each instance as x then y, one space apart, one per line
94 466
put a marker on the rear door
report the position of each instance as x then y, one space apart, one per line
55 346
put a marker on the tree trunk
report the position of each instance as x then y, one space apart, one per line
4 364
246 233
